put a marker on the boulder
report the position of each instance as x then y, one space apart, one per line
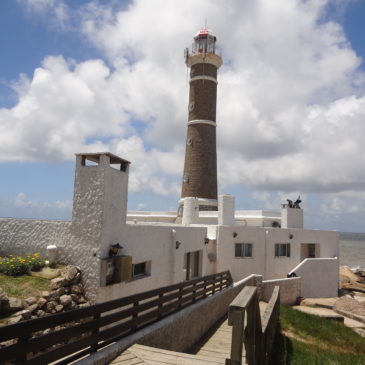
45 294
60 291
50 306
65 300
40 313
58 282
15 319
53 296
41 302
349 304
30 301
15 304
4 301
32 308
25 314
69 272
81 300
84 305
77 289
59 308
76 279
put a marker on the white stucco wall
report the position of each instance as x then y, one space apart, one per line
320 277
156 243
264 261
290 289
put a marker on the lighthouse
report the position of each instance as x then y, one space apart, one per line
200 167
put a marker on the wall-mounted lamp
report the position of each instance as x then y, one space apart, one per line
178 243
291 236
235 234
206 240
114 249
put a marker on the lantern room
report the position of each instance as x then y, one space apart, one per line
204 42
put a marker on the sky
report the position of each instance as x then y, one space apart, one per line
90 76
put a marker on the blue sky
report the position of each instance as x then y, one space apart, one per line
87 75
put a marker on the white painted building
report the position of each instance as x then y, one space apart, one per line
160 248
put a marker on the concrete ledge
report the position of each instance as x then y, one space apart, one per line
356 317
290 289
179 331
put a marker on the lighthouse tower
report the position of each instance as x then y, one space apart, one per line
200 168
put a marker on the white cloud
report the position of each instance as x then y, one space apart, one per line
344 202
290 98
55 11
21 200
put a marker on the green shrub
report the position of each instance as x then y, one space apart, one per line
15 266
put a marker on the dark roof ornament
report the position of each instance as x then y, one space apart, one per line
291 204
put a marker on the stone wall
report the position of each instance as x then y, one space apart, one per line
25 236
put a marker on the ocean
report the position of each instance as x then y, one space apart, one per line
352 250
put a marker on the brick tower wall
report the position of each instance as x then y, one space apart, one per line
200 169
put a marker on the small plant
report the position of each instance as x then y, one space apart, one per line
15 266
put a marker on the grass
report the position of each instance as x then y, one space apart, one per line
306 339
23 286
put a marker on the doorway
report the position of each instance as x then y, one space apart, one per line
192 265
309 250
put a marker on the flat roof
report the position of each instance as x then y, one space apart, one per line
95 157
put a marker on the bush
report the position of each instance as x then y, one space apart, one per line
15 266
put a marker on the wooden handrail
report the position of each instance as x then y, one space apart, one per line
249 330
94 327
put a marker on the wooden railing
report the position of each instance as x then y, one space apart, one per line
91 328
250 330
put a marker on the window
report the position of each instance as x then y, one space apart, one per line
141 269
282 249
243 250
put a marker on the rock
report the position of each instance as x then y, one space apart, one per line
347 276
15 304
45 294
53 296
350 305
14 320
60 291
65 300
40 313
76 279
4 301
33 317
76 289
50 306
59 308
84 305
74 297
25 314
81 300
58 282
69 272
32 307
46 331
30 301
41 302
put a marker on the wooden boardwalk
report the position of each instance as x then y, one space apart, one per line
212 349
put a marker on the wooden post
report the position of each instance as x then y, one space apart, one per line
94 347
236 319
